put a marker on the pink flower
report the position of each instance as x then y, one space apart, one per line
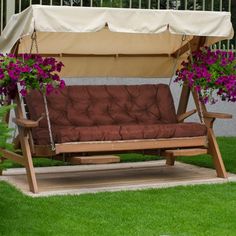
59 66
31 71
22 83
49 89
62 84
23 92
210 71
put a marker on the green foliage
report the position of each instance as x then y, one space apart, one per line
5 132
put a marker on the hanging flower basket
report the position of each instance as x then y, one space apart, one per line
212 74
31 72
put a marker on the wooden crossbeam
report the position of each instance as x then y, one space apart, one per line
114 55
12 156
195 42
26 123
185 152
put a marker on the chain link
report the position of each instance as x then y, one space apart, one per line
49 123
34 42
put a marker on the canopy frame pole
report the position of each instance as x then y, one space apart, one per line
185 93
24 136
212 147
196 95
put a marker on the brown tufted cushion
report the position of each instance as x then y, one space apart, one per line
93 113
116 132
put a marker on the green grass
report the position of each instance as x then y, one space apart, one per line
135 157
184 211
228 150
38 162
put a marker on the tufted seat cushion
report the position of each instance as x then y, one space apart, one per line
97 113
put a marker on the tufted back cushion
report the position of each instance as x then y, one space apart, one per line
105 105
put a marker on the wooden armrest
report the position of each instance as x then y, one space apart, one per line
26 123
217 115
185 115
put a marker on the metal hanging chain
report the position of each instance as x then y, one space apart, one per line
49 123
21 101
34 42
15 48
176 59
198 95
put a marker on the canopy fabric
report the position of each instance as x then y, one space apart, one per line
113 41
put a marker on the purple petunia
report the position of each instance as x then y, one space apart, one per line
210 71
31 72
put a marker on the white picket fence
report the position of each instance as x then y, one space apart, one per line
10 7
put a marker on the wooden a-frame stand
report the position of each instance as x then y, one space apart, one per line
170 147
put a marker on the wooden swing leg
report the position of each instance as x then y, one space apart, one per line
170 161
214 151
28 162
170 158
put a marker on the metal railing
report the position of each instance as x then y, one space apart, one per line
9 7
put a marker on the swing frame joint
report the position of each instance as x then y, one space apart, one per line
26 123
185 115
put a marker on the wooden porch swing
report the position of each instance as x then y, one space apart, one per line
115 60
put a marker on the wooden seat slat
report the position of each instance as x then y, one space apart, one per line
131 144
185 152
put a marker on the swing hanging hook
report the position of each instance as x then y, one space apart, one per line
34 42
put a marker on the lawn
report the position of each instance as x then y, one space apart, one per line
184 211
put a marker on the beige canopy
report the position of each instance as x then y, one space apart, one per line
115 42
